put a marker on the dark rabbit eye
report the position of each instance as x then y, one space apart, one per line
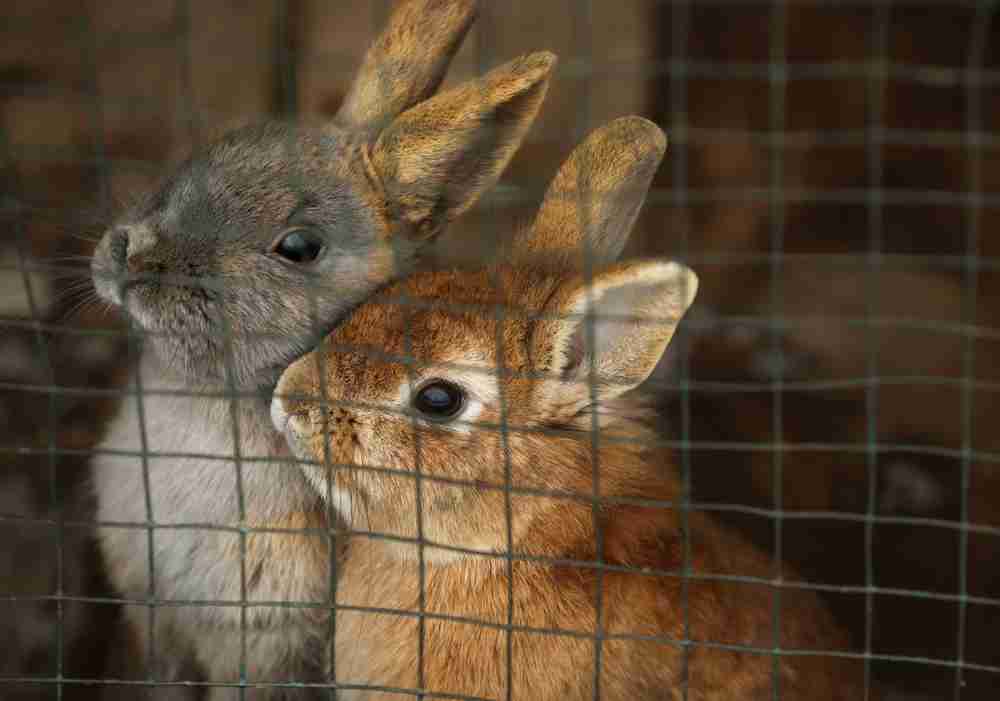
299 246
439 400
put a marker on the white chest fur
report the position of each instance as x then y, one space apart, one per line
195 477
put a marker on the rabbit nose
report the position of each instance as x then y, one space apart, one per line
132 246
342 418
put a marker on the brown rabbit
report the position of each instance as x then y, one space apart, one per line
236 267
411 445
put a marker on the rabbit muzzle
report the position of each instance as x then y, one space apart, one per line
132 264
332 439
123 258
328 449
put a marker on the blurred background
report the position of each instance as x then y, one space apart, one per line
833 176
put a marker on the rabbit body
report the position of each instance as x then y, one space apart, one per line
239 264
213 222
557 606
468 657
497 546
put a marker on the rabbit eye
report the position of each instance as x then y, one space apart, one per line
439 400
299 246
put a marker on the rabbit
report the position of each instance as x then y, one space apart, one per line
408 446
233 269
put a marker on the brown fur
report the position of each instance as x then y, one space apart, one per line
599 190
345 412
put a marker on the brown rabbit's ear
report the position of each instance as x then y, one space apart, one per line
592 203
407 62
434 161
617 326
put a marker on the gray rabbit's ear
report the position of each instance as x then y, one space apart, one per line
433 161
592 203
407 62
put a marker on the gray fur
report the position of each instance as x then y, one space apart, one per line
209 270
204 241
204 565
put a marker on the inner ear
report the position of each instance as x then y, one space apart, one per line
615 327
613 319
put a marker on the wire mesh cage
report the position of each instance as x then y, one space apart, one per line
817 434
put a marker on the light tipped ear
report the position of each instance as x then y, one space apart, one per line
434 161
617 326
407 62
592 203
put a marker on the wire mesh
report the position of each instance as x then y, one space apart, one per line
828 177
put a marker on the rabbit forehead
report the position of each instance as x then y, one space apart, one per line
441 316
449 324
249 182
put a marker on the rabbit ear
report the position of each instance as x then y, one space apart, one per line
407 62
592 203
438 157
617 326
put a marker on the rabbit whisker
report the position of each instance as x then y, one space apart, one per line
72 292
85 302
65 259
77 283
72 275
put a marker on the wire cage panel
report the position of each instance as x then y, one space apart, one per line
828 397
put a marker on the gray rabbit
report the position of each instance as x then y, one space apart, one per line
254 249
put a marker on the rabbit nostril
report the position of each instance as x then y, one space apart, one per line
136 263
135 249
119 246
340 418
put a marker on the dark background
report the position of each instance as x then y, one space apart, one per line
833 176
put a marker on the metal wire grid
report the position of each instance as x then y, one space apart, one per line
678 69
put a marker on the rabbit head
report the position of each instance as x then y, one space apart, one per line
428 376
258 244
